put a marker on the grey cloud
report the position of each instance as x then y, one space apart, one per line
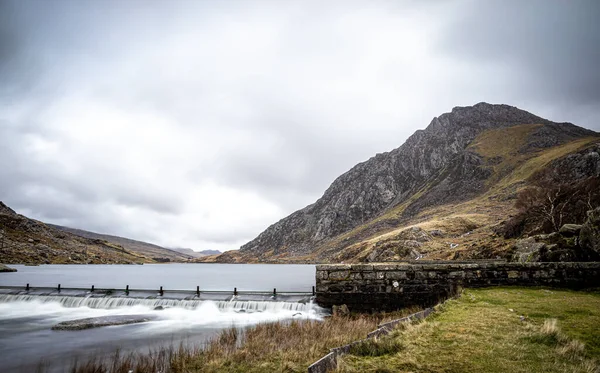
550 47
268 101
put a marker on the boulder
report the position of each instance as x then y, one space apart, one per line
570 230
527 250
97 322
589 237
4 268
341 310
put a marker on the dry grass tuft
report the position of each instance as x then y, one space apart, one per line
272 347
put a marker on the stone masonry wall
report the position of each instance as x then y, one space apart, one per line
387 286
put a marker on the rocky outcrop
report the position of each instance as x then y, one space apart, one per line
589 236
572 243
434 166
4 268
5 210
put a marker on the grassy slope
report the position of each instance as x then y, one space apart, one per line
21 245
479 333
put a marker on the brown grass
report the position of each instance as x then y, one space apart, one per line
273 347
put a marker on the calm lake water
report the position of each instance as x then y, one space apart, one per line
26 337
260 277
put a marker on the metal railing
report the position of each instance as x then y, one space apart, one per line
160 291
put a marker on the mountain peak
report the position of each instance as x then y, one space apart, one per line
433 167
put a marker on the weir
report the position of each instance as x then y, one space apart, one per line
109 302
226 301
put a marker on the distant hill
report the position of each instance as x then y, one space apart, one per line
196 254
25 240
147 249
439 195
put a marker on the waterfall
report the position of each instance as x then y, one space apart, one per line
189 304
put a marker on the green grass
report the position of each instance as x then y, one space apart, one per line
479 333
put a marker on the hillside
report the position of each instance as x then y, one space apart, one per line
439 195
144 248
24 240
196 254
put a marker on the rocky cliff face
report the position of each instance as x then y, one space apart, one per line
434 166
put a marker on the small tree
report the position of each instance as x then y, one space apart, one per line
549 203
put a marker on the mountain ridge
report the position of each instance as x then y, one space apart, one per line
433 167
145 248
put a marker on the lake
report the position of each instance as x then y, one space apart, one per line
26 320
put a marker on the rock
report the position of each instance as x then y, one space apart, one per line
382 254
527 250
570 230
4 268
437 233
97 322
589 237
341 310
6 210
159 308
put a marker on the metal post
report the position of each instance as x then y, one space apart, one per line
27 287
161 291
314 291
235 291
127 290
92 288
274 292
198 291
59 288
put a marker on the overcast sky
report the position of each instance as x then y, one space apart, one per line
200 123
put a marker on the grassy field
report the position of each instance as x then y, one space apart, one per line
493 330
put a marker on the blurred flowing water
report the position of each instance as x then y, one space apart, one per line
26 320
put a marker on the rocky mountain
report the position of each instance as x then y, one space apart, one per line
24 240
470 161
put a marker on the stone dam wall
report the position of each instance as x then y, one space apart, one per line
389 286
